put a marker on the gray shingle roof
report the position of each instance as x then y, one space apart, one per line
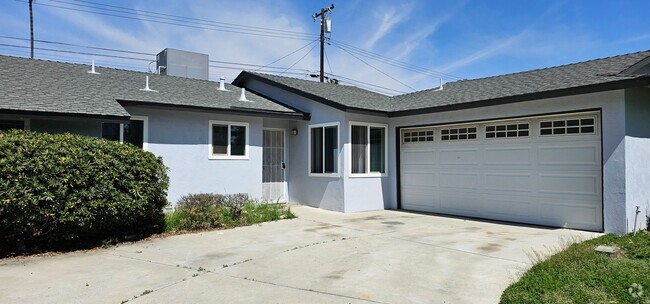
66 88
584 74
348 96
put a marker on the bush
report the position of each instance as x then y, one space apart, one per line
60 190
209 211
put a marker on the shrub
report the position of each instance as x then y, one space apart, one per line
208 211
59 190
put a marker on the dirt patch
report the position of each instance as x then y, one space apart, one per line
489 248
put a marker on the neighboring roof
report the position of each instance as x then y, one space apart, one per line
40 86
609 73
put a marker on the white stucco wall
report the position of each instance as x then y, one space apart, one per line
364 193
181 138
637 157
318 191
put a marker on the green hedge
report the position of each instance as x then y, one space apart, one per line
62 190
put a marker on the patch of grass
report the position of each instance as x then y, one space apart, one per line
254 213
579 274
210 211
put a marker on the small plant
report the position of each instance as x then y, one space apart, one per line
195 275
200 269
209 211
635 290
146 292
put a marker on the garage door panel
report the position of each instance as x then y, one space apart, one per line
567 183
553 180
461 203
459 157
584 217
458 180
504 207
418 157
508 156
424 179
570 155
508 181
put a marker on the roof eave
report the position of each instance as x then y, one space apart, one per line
241 78
59 115
232 110
594 88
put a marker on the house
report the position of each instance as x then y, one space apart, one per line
565 146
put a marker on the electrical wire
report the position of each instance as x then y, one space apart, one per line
212 28
77 45
328 61
195 19
394 62
301 58
285 56
376 69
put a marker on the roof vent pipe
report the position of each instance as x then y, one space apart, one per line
222 84
242 97
440 87
146 85
92 68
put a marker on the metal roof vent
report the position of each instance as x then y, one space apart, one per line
92 68
146 85
440 87
242 97
222 84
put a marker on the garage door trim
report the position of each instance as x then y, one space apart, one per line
598 132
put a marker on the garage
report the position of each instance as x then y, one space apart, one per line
542 170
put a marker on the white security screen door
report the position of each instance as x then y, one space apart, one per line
273 182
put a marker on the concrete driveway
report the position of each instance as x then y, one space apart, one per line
320 257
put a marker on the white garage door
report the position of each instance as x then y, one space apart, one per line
539 170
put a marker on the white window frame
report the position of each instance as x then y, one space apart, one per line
369 125
229 124
338 149
145 131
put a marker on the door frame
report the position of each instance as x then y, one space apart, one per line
285 187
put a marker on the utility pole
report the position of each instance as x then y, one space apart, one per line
31 28
323 12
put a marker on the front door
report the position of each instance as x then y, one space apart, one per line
273 182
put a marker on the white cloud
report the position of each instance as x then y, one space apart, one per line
388 19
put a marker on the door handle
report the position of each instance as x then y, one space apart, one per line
284 165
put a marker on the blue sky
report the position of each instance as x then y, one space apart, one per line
460 39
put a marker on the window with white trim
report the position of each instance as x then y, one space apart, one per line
324 149
567 126
368 153
228 140
133 132
458 133
507 130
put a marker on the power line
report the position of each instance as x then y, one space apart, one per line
365 83
79 53
378 70
197 19
81 46
212 28
285 56
328 62
393 62
301 58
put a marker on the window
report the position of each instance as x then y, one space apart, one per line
419 135
6 125
568 126
133 132
228 140
507 130
458 133
323 149
368 149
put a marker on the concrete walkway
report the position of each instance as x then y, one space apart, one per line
320 257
